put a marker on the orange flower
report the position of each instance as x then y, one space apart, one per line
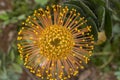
55 43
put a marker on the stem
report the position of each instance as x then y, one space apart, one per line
102 53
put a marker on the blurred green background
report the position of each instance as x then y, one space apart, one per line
103 15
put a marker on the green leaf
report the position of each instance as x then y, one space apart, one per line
4 16
101 16
98 2
21 17
116 18
116 28
12 55
108 24
17 68
76 7
85 8
14 20
117 74
42 2
3 74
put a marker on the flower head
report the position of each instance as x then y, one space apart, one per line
55 43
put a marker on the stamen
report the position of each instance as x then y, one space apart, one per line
54 44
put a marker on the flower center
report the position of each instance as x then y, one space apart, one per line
55 42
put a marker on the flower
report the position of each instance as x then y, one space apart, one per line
55 43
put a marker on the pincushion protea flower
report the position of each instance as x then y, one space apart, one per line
55 43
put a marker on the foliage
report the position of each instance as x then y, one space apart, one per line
42 2
117 73
98 15
10 65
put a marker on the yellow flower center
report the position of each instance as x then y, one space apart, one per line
55 42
